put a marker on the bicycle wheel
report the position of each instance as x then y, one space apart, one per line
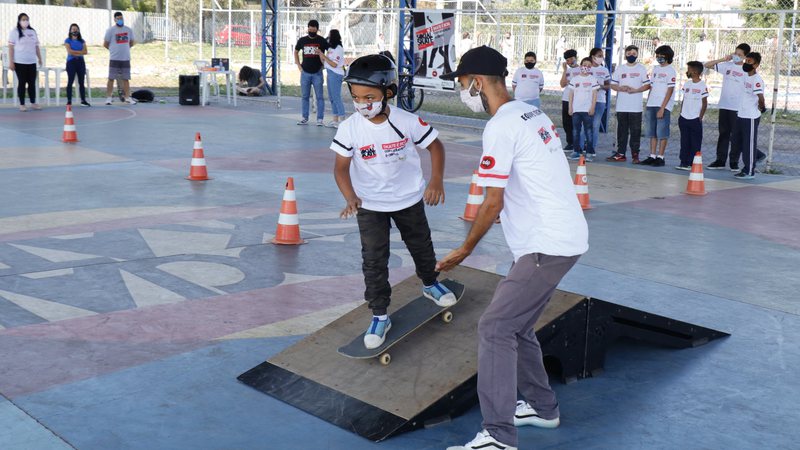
410 98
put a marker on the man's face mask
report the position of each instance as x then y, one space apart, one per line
473 102
631 59
530 65
120 22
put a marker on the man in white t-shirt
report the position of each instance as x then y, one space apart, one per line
630 80
571 69
730 67
528 82
527 181
659 105
745 134
119 41
703 49
693 109
379 174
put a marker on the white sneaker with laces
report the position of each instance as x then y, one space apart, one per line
108 100
483 441
526 415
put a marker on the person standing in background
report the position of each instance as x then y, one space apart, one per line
601 74
23 53
561 47
528 82
311 71
571 69
119 41
630 80
76 66
334 66
465 44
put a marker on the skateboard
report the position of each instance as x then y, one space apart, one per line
404 322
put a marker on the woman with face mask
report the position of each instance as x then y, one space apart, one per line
76 66
333 60
23 54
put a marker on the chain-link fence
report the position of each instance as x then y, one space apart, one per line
170 43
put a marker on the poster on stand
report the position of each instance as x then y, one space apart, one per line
434 49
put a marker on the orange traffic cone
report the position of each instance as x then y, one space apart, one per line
70 133
582 184
198 171
696 184
474 199
288 232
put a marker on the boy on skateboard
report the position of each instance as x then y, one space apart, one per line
378 172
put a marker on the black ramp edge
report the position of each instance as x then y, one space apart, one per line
330 405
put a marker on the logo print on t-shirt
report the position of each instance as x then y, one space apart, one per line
553 127
545 135
524 76
624 75
121 38
422 122
487 162
758 85
368 152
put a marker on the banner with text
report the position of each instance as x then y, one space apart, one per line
434 48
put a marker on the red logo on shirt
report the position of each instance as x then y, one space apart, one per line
624 75
487 163
395 145
545 135
673 79
553 127
422 122
758 84
368 152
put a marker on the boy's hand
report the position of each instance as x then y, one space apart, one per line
570 111
452 259
352 208
591 112
660 113
434 193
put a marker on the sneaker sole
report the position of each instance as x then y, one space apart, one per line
536 422
385 333
431 298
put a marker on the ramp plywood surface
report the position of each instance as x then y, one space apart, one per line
414 380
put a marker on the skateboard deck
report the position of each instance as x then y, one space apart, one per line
404 322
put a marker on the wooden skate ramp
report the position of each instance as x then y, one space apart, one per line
432 373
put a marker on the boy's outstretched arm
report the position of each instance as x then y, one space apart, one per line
341 172
434 193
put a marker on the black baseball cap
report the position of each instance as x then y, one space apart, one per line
481 60
313 23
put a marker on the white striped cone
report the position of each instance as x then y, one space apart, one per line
582 184
474 200
696 184
198 170
288 232
70 134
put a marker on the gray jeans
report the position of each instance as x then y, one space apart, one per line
509 355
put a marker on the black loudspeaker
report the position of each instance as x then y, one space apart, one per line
189 89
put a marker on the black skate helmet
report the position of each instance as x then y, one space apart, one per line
376 71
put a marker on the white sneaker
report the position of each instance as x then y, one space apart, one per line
108 100
483 441
132 101
526 415
320 123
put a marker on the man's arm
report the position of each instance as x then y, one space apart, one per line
105 44
703 108
564 81
487 214
713 64
434 193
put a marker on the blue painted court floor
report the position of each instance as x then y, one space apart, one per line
131 298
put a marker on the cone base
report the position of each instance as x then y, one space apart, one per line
198 178
466 219
586 208
282 242
70 141
695 193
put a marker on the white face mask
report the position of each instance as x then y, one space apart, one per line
598 60
368 110
23 23
473 102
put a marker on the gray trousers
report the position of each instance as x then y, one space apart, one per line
509 355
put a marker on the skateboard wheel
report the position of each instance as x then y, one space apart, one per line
447 317
385 359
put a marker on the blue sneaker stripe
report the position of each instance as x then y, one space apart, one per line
439 287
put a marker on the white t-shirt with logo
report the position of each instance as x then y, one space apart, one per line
693 95
661 79
571 72
602 76
337 56
522 153
25 46
385 168
582 89
753 85
635 77
732 84
527 83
